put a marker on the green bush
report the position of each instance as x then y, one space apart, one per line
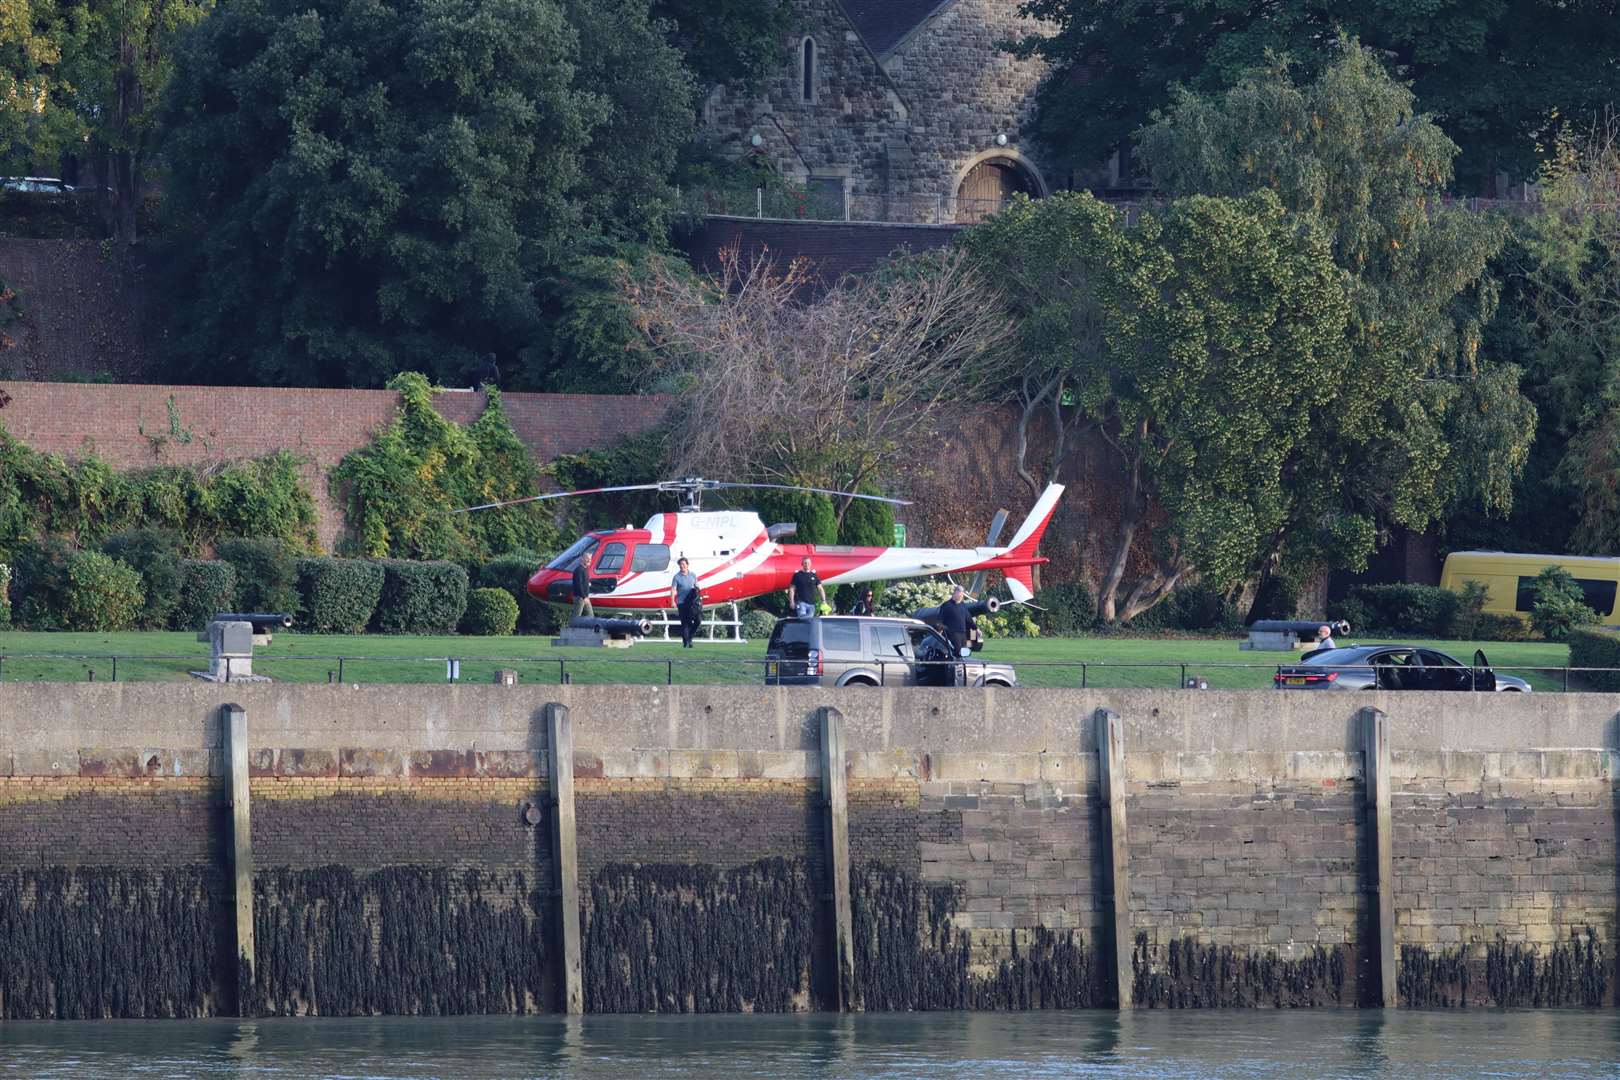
1400 609
421 597
490 613
1560 606
102 594
266 575
1191 607
757 624
1067 609
337 596
39 579
209 588
512 572
156 554
1594 647
5 597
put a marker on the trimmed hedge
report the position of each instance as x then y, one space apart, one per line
1422 610
337 596
101 593
208 588
512 572
491 613
1067 609
1593 647
156 554
421 597
266 575
757 624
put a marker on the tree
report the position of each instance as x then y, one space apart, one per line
726 40
1494 70
1422 424
832 393
360 188
1571 269
37 120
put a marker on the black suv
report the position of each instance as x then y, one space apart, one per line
846 650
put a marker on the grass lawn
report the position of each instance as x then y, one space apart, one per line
1111 661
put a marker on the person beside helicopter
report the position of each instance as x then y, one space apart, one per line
806 591
686 600
581 585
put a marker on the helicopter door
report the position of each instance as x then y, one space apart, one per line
609 565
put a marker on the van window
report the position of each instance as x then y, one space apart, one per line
1595 594
841 635
650 558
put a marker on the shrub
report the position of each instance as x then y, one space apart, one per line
1593 647
1493 627
1418 610
421 597
512 572
209 588
5 597
1191 607
1560 607
490 613
757 624
156 554
102 594
1068 609
903 597
338 596
266 575
39 579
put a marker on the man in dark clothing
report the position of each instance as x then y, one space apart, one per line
957 620
805 590
687 601
489 372
582 587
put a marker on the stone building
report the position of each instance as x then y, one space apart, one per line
897 110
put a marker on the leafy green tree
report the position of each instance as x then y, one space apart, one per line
1422 423
37 120
726 40
1559 606
1482 66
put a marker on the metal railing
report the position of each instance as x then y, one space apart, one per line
576 668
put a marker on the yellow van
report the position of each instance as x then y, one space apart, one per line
1511 579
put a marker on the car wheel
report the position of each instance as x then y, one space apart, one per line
860 682
998 682
1512 690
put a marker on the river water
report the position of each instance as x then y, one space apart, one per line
1328 1043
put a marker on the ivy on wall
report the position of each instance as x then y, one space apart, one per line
87 501
400 492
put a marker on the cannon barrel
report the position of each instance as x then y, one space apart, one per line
264 622
1299 626
930 615
613 627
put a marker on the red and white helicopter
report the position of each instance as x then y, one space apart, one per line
737 557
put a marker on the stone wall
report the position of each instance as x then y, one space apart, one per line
404 858
130 426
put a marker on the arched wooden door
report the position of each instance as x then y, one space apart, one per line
988 186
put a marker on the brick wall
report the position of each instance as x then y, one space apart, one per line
129 426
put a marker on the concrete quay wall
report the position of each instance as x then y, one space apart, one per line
416 850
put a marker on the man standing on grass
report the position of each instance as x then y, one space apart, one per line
582 587
956 619
805 590
684 598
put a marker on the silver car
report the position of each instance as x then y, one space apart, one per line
1392 667
848 650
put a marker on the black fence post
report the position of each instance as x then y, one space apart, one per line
115 669
669 678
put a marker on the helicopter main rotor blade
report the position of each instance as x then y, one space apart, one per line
819 491
559 495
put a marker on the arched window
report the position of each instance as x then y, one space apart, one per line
807 68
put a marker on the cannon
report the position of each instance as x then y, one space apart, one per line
1287 635
930 615
231 636
613 633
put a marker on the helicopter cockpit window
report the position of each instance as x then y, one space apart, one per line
650 558
579 549
611 559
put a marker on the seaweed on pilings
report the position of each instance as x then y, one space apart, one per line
692 938
1437 979
96 942
1195 976
409 940
910 955
1570 973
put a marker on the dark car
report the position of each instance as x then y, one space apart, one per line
847 650
1392 667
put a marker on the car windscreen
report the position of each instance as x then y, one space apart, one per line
581 547
790 638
